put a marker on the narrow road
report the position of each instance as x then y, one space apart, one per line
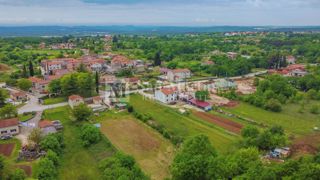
27 127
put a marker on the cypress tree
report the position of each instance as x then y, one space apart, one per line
31 70
97 82
157 59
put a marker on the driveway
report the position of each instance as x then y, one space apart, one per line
27 127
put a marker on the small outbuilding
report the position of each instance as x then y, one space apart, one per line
75 100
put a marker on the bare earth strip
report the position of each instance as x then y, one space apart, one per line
152 152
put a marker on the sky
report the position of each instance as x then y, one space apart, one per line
161 12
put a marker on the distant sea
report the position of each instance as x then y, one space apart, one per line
20 31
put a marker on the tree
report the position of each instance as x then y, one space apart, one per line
157 59
46 169
35 136
97 82
24 84
69 84
273 105
192 161
55 86
3 97
51 142
250 132
82 68
8 111
202 95
52 156
90 135
82 112
18 174
31 70
153 84
24 71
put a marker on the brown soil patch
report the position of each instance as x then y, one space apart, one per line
6 149
306 145
27 169
4 67
222 122
232 104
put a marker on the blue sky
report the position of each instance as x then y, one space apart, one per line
160 12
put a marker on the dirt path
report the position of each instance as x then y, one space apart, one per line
221 122
153 153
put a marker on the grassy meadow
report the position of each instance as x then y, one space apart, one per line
152 152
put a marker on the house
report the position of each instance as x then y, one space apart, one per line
97 100
107 79
47 127
297 73
39 85
178 75
19 96
232 55
224 84
291 59
167 95
119 62
132 83
201 104
75 100
9 126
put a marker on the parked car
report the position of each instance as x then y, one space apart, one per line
6 137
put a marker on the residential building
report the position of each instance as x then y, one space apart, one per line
107 79
232 55
97 100
47 127
39 86
224 84
291 59
167 95
19 96
178 75
132 83
119 62
201 104
9 126
75 100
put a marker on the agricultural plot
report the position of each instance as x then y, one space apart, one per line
290 119
182 125
6 149
151 151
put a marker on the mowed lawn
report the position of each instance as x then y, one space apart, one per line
78 162
182 125
152 152
290 118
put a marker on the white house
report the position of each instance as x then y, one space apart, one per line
75 100
9 126
178 75
167 95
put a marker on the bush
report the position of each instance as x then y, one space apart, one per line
90 135
46 169
314 109
52 142
18 174
130 109
273 105
82 112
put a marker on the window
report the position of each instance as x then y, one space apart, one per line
13 130
3 132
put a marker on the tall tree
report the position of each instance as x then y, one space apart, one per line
24 71
97 82
157 59
31 70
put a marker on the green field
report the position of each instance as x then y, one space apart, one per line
56 100
78 162
152 152
290 118
181 125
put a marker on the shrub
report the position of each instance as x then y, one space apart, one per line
273 105
46 169
52 142
90 135
314 109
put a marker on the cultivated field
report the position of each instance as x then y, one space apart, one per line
182 125
152 152
290 119
221 122
6 149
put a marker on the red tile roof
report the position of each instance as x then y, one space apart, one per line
97 98
201 104
168 91
74 97
9 122
45 123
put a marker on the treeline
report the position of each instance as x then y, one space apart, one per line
76 83
197 159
